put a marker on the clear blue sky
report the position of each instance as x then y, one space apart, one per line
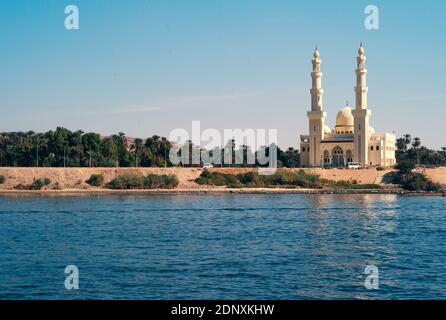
146 67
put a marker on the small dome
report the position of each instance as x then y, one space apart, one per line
371 130
316 53
344 118
327 129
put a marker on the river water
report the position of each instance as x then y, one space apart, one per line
232 246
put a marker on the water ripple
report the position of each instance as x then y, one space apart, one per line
223 246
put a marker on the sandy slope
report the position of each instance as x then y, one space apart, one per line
74 178
437 175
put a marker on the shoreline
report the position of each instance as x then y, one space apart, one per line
215 191
72 181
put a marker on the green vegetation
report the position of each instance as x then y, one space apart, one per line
96 180
410 180
65 148
409 149
151 181
405 167
37 184
350 185
2 179
418 181
282 178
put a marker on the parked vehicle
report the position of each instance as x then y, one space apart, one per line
354 165
208 165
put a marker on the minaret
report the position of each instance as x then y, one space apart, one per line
361 114
316 116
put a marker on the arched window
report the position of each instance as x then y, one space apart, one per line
371 148
349 156
377 148
326 157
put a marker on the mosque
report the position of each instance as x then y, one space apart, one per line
352 140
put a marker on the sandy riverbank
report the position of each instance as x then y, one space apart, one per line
214 191
72 180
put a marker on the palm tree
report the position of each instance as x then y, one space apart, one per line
136 146
123 139
165 146
401 144
416 144
407 140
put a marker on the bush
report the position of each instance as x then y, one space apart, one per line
127 181
342 184
296 179
2 179
405 167
253 179
411 180
152 181
250 178
96 180
419 182
281 178
37 184
170 181
218 179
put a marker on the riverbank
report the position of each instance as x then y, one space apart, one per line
72 181
214 191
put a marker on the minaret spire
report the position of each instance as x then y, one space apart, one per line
361 80
316 88
316 116
361 113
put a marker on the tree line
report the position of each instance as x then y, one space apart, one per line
65 148
409 149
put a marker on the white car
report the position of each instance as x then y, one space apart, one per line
354 165
207 165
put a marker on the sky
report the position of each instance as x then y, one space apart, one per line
146 67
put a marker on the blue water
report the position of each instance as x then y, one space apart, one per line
223 246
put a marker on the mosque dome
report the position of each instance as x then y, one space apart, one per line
344 118
316 53
327 129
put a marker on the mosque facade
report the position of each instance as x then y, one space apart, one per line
353 140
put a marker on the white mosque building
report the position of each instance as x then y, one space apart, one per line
352 140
